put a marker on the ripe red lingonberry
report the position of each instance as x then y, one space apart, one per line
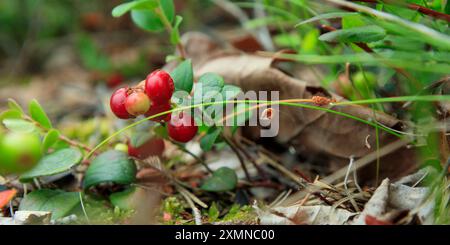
117 103
182 127
152 147
158 108
114 80
137 103
159 86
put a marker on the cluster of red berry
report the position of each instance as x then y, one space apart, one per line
150 97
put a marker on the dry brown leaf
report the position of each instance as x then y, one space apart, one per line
304 215
309 131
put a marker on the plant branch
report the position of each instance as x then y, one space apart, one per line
238 154
182 148
169 29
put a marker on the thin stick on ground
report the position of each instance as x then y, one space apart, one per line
182 148
238 154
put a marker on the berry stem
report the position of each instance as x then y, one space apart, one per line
169 29
182 148
61 137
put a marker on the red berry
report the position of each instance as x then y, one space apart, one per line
158 108
159 86
114 80
152 147
117 103
137 103
182 127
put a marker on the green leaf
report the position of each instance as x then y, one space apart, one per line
230 92
364 34
139 4
123 199
111 166
175 34
10 114
19 125
38 114
58 202
50 139
147 20
326 16
168 9
183 76
139 138
55 163
207 141
207 87
223 179
13 105
213 212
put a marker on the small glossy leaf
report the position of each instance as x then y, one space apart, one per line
175 35
147 20
230 92
13 105
168 8
54 163
139 4
207 141
50 139
223 179
19 125
183 76
123 199
208 86
6 196
38 114
364 34
58 202
111 166
10 114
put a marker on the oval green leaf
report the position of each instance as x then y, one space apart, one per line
183 76
13 105
111 166
19 125
55 163
58 202
10 114
207 141
223 179
50 139
139 4
38 114
147 20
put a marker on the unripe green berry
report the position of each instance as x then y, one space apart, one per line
19 152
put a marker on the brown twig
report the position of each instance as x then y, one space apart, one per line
413 6
251 159
238 154
182 148
61 137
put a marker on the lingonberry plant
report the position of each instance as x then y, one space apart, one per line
154 124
